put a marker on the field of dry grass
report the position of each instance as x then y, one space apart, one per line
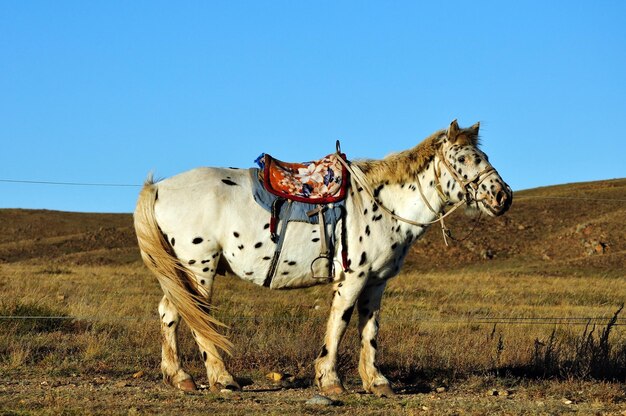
452 337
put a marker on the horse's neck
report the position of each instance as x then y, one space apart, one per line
406 201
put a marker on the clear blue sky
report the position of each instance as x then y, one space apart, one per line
104 92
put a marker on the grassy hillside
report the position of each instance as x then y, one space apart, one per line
575 227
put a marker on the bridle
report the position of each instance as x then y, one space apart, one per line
468 185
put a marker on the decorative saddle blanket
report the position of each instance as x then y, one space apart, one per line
321 181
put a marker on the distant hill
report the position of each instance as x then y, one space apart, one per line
575 229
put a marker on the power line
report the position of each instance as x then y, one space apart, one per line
69 183
455 321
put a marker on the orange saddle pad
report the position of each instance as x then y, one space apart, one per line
318 182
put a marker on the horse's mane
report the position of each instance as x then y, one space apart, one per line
403 167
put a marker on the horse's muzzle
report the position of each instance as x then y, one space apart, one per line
502 200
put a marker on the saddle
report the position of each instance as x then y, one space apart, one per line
319 185
321 181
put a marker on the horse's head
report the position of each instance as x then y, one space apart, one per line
465 173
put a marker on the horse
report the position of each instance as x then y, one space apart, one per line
202 222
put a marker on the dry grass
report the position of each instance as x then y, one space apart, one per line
432 324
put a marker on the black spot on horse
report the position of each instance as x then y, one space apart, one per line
267 258
266 226
363 259
377 190
197 240
347 314
249 273
394 245
173 241
206 269
236 234
192 261
365 211
377 217
229 182
285 273
215 255
367 230
292 263
240 247
171 323
374 207
204 355
202 281
206 261
361 274
257 245
373 343
315 240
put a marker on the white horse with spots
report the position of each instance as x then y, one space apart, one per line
192 225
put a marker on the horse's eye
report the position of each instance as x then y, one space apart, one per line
462 159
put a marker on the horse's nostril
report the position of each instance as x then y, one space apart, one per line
500 197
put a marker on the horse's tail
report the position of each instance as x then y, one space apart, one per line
176 280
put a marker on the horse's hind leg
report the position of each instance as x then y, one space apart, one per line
219 378
173 373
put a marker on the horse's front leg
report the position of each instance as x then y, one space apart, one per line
369 309
344 300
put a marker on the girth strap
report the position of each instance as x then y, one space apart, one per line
279 243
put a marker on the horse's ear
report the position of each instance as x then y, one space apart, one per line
475 128
453 131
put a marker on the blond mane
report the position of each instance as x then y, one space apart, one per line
403 167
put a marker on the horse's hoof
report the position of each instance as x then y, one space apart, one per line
383 390
186 385
333 390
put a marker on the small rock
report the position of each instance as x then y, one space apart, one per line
440 389
567 401
493 392
425 408
138 374
274 376
320 400
521 227
226 391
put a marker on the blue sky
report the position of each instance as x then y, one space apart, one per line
104 92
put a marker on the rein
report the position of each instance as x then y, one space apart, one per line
464 183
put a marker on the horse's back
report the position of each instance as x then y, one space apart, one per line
197 205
